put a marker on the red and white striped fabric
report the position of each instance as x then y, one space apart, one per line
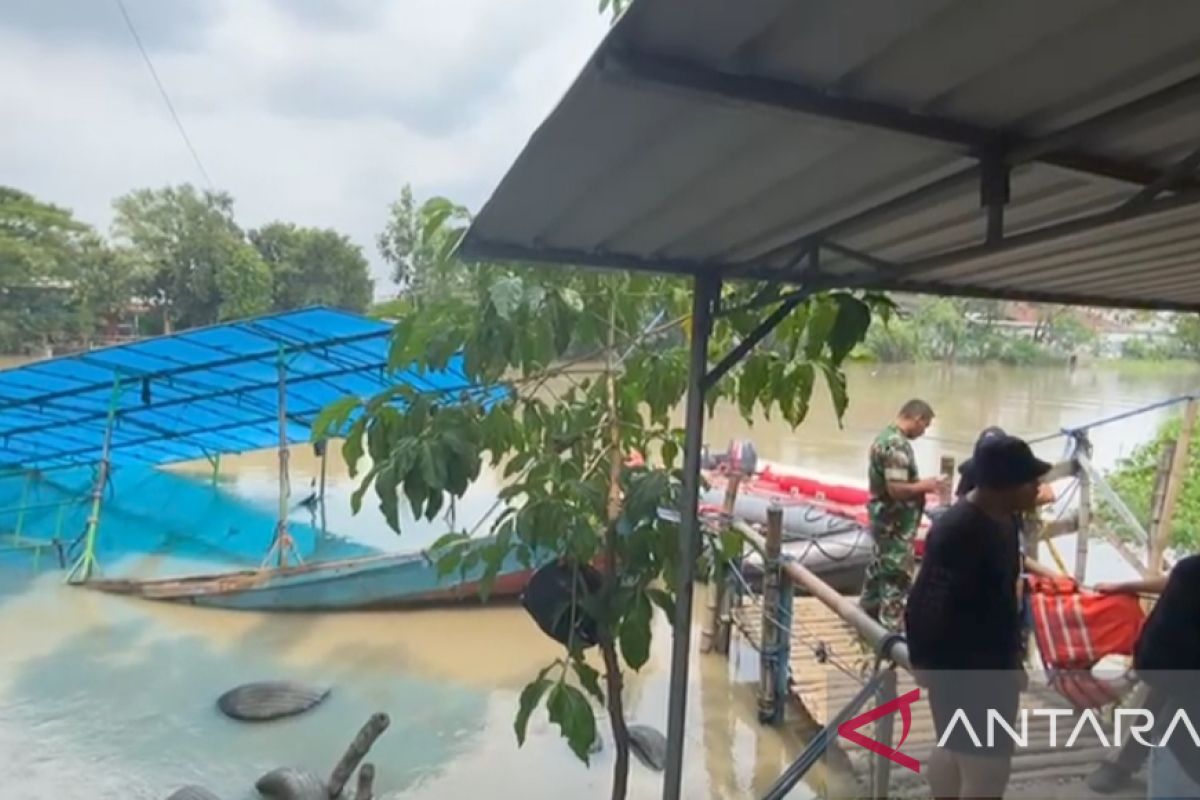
1074 630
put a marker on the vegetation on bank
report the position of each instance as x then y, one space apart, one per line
951 330
175 258
1133 479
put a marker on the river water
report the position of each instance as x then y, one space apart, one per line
106 697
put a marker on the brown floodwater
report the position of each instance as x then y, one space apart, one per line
106 697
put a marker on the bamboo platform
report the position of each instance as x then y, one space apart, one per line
1038 772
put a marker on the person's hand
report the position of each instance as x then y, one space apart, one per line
1109 588
935 485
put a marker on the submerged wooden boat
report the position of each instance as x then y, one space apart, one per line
407 580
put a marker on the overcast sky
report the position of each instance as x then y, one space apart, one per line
313 111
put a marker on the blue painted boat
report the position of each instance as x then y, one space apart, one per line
408 580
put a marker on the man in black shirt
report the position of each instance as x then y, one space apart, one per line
1167 659
964 635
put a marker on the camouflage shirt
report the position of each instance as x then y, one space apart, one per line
892 459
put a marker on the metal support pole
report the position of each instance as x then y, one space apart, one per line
707 289
216 469
87 562
21 510
881 768
771 635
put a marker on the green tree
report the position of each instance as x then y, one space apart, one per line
563 430
40 249
418 241
194 261
1187 335
313 266
105 283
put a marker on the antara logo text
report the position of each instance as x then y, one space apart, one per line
1132 721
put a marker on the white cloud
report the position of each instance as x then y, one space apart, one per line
315 112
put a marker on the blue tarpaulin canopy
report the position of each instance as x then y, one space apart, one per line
198 393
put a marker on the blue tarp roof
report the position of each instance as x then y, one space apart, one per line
198 393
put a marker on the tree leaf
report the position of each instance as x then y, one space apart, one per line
531 695
635 632
663 601
820 323
333 417
589 678
837 389
570 710
853 320
571 299
506 295
669 452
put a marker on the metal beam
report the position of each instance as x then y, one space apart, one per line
706 291
1050 233
771 92
189 399
181 370
1172 177
764 328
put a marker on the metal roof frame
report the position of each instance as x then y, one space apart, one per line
198 393
927 146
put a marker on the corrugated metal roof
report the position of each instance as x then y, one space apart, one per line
743 137
201 392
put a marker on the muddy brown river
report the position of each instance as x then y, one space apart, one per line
105 697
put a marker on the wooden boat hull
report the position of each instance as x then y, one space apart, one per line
408 580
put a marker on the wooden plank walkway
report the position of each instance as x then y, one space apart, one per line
825 687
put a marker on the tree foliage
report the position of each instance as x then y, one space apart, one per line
590 367
313 266
1134 477
55 272
194 260
417 242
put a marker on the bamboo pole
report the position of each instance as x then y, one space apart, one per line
713 631
87 562
1156 544
770 637
282 545
1179 465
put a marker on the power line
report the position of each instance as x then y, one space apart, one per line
163 91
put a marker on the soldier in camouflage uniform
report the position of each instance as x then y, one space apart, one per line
897 502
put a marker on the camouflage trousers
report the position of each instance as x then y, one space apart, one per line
888 579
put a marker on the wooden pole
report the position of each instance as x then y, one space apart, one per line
366 782
712 633
357 751
947 472
881 767
1155 544
1179 465
770 637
